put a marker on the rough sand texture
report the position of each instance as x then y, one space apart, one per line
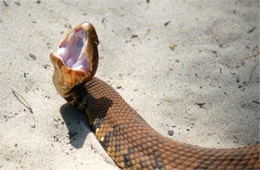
206 90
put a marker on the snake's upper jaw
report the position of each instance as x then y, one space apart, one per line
76 59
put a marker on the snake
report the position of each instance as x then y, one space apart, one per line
125 136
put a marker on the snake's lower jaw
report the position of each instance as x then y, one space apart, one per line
65 78
76 59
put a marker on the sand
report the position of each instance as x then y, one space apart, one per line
190 68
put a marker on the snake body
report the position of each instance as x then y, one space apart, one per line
122 132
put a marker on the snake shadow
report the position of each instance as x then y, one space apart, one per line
76 122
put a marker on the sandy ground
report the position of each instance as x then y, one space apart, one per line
205 90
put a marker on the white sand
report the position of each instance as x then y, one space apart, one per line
208 65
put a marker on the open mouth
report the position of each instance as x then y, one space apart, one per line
73 50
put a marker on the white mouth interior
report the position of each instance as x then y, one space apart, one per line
73 51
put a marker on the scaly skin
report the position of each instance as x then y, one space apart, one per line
127 138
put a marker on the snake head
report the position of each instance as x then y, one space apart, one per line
76 59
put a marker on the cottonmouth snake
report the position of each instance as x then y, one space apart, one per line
125 136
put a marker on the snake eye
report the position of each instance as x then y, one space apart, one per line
73 50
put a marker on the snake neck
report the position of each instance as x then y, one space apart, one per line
98 100
78 97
